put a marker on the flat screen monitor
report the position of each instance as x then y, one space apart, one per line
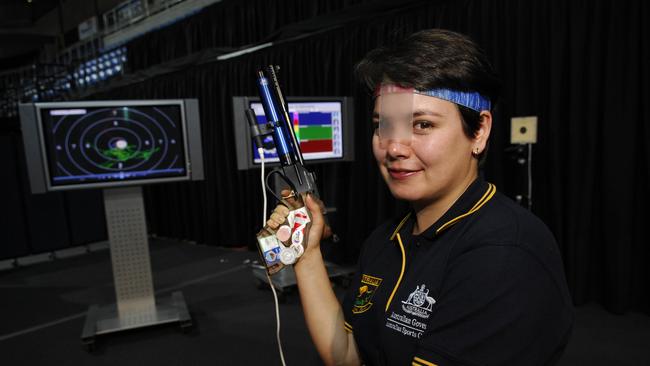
322 125
76 145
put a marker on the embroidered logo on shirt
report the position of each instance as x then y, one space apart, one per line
406 325
419 303
369 286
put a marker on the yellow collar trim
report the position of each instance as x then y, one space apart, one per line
401 272
492 189
489 193
399 227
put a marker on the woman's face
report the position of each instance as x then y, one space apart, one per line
438 158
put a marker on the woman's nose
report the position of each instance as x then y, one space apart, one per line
397 149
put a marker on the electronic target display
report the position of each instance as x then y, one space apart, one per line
99 144
94 144
317 126
323 127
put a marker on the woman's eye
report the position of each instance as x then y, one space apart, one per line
422 125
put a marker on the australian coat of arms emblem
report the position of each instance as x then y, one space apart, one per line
419 303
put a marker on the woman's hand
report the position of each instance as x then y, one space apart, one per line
316 231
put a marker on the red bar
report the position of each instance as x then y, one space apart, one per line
313 146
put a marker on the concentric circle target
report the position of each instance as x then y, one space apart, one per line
129 141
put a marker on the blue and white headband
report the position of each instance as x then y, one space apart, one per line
472 100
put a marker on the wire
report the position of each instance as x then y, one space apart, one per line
530 177
275 295
277 318
261 154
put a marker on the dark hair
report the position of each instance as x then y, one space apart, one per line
432 59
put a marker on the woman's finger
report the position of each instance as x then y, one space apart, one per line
281 210
278 218
272 224
290 197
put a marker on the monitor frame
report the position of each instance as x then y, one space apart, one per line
36 149
244 143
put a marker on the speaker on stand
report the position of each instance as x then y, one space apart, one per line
523 134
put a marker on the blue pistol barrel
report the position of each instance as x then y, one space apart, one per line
274 117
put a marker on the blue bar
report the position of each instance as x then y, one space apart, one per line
274 116
267 101
314 118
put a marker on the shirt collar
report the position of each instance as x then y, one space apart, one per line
474 197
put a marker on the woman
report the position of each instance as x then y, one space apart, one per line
467 277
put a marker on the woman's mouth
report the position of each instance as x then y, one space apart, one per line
400 174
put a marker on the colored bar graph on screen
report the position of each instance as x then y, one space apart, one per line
315 118
316 125
296 125
315 132
315 146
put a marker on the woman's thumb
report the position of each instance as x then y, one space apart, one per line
315 209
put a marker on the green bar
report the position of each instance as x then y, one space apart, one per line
315 133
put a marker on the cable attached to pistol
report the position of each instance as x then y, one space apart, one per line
260 150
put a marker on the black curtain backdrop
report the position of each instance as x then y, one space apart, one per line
227 25
580 66
33 224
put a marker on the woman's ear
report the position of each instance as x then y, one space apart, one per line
483 132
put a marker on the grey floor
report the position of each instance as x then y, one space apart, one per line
603 338
43 306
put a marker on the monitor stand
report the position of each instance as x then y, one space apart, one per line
136 304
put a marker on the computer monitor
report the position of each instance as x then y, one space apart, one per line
323 127
95 144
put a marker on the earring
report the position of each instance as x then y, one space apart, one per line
475 152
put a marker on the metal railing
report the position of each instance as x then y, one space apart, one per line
133 11
85 64
74 69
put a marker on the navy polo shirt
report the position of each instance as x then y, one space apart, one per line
482 286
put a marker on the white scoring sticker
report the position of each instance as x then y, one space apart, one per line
268 243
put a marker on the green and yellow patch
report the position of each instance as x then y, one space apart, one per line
367 289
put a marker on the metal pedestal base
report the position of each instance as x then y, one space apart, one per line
136 304
104 320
